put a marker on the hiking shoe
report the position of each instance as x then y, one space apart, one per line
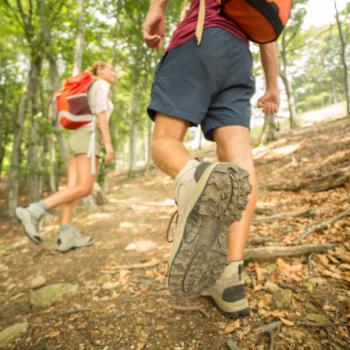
228 292
30 218
71 238
208 203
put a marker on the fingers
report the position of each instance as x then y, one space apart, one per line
109 159
153 41
268 108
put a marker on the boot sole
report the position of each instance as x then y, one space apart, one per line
199 252
76 246
29 229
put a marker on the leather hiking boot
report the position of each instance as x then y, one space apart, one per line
30 218
71 238
210 199
228 292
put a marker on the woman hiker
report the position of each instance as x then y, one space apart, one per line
80 178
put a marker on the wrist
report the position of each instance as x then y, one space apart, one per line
159 5
272 88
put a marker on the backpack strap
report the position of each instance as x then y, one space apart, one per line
200 21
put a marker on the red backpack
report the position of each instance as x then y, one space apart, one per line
261 20
72 103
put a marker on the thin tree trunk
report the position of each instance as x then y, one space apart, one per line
79 41
34 141
3 127
343 59
18 134
134 111
288 86
149 144
269 131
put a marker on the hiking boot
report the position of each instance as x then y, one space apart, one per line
30 218
208 203
228 292
71 238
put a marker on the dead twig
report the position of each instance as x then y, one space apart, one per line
266 253
190 308
132 267
292 287
311 324
270 329
324 224
279 217
261 240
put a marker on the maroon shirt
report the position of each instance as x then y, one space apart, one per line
186 29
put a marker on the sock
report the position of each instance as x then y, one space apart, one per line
187 172
64 227
42 205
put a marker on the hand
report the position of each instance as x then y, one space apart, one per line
109 153
270 102
154 28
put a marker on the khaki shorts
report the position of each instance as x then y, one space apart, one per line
78 142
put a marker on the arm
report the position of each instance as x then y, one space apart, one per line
102 123
154 25
270 101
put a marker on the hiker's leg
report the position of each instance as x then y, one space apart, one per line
83 187
168 151
68 208
233 145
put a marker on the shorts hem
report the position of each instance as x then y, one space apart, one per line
209 134
153 110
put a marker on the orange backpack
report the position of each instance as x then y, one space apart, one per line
72 103
261 20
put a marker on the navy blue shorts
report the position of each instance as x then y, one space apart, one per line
210 84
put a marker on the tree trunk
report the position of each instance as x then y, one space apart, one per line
4 132
34 137
17 139
79 41
149 144
269 131
134 111
288 86
343 59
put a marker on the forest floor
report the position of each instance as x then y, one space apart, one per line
118 296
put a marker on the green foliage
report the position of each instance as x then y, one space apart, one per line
47 29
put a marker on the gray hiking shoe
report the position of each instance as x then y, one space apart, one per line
71 238
208 204
228 292
30 218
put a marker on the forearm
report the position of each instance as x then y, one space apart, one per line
160 4
269 61
102 122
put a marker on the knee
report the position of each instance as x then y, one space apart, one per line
83 191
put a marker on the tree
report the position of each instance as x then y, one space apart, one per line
343 54
288 42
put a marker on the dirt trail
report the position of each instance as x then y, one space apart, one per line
121 305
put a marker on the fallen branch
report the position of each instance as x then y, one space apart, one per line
261 240
278 217
311 324
332 180
263 211
132 267
270 329
324 224
266 253
190 308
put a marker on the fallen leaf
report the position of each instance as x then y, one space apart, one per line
286 322
231 327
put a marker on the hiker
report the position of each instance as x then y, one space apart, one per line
206 79
81 165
